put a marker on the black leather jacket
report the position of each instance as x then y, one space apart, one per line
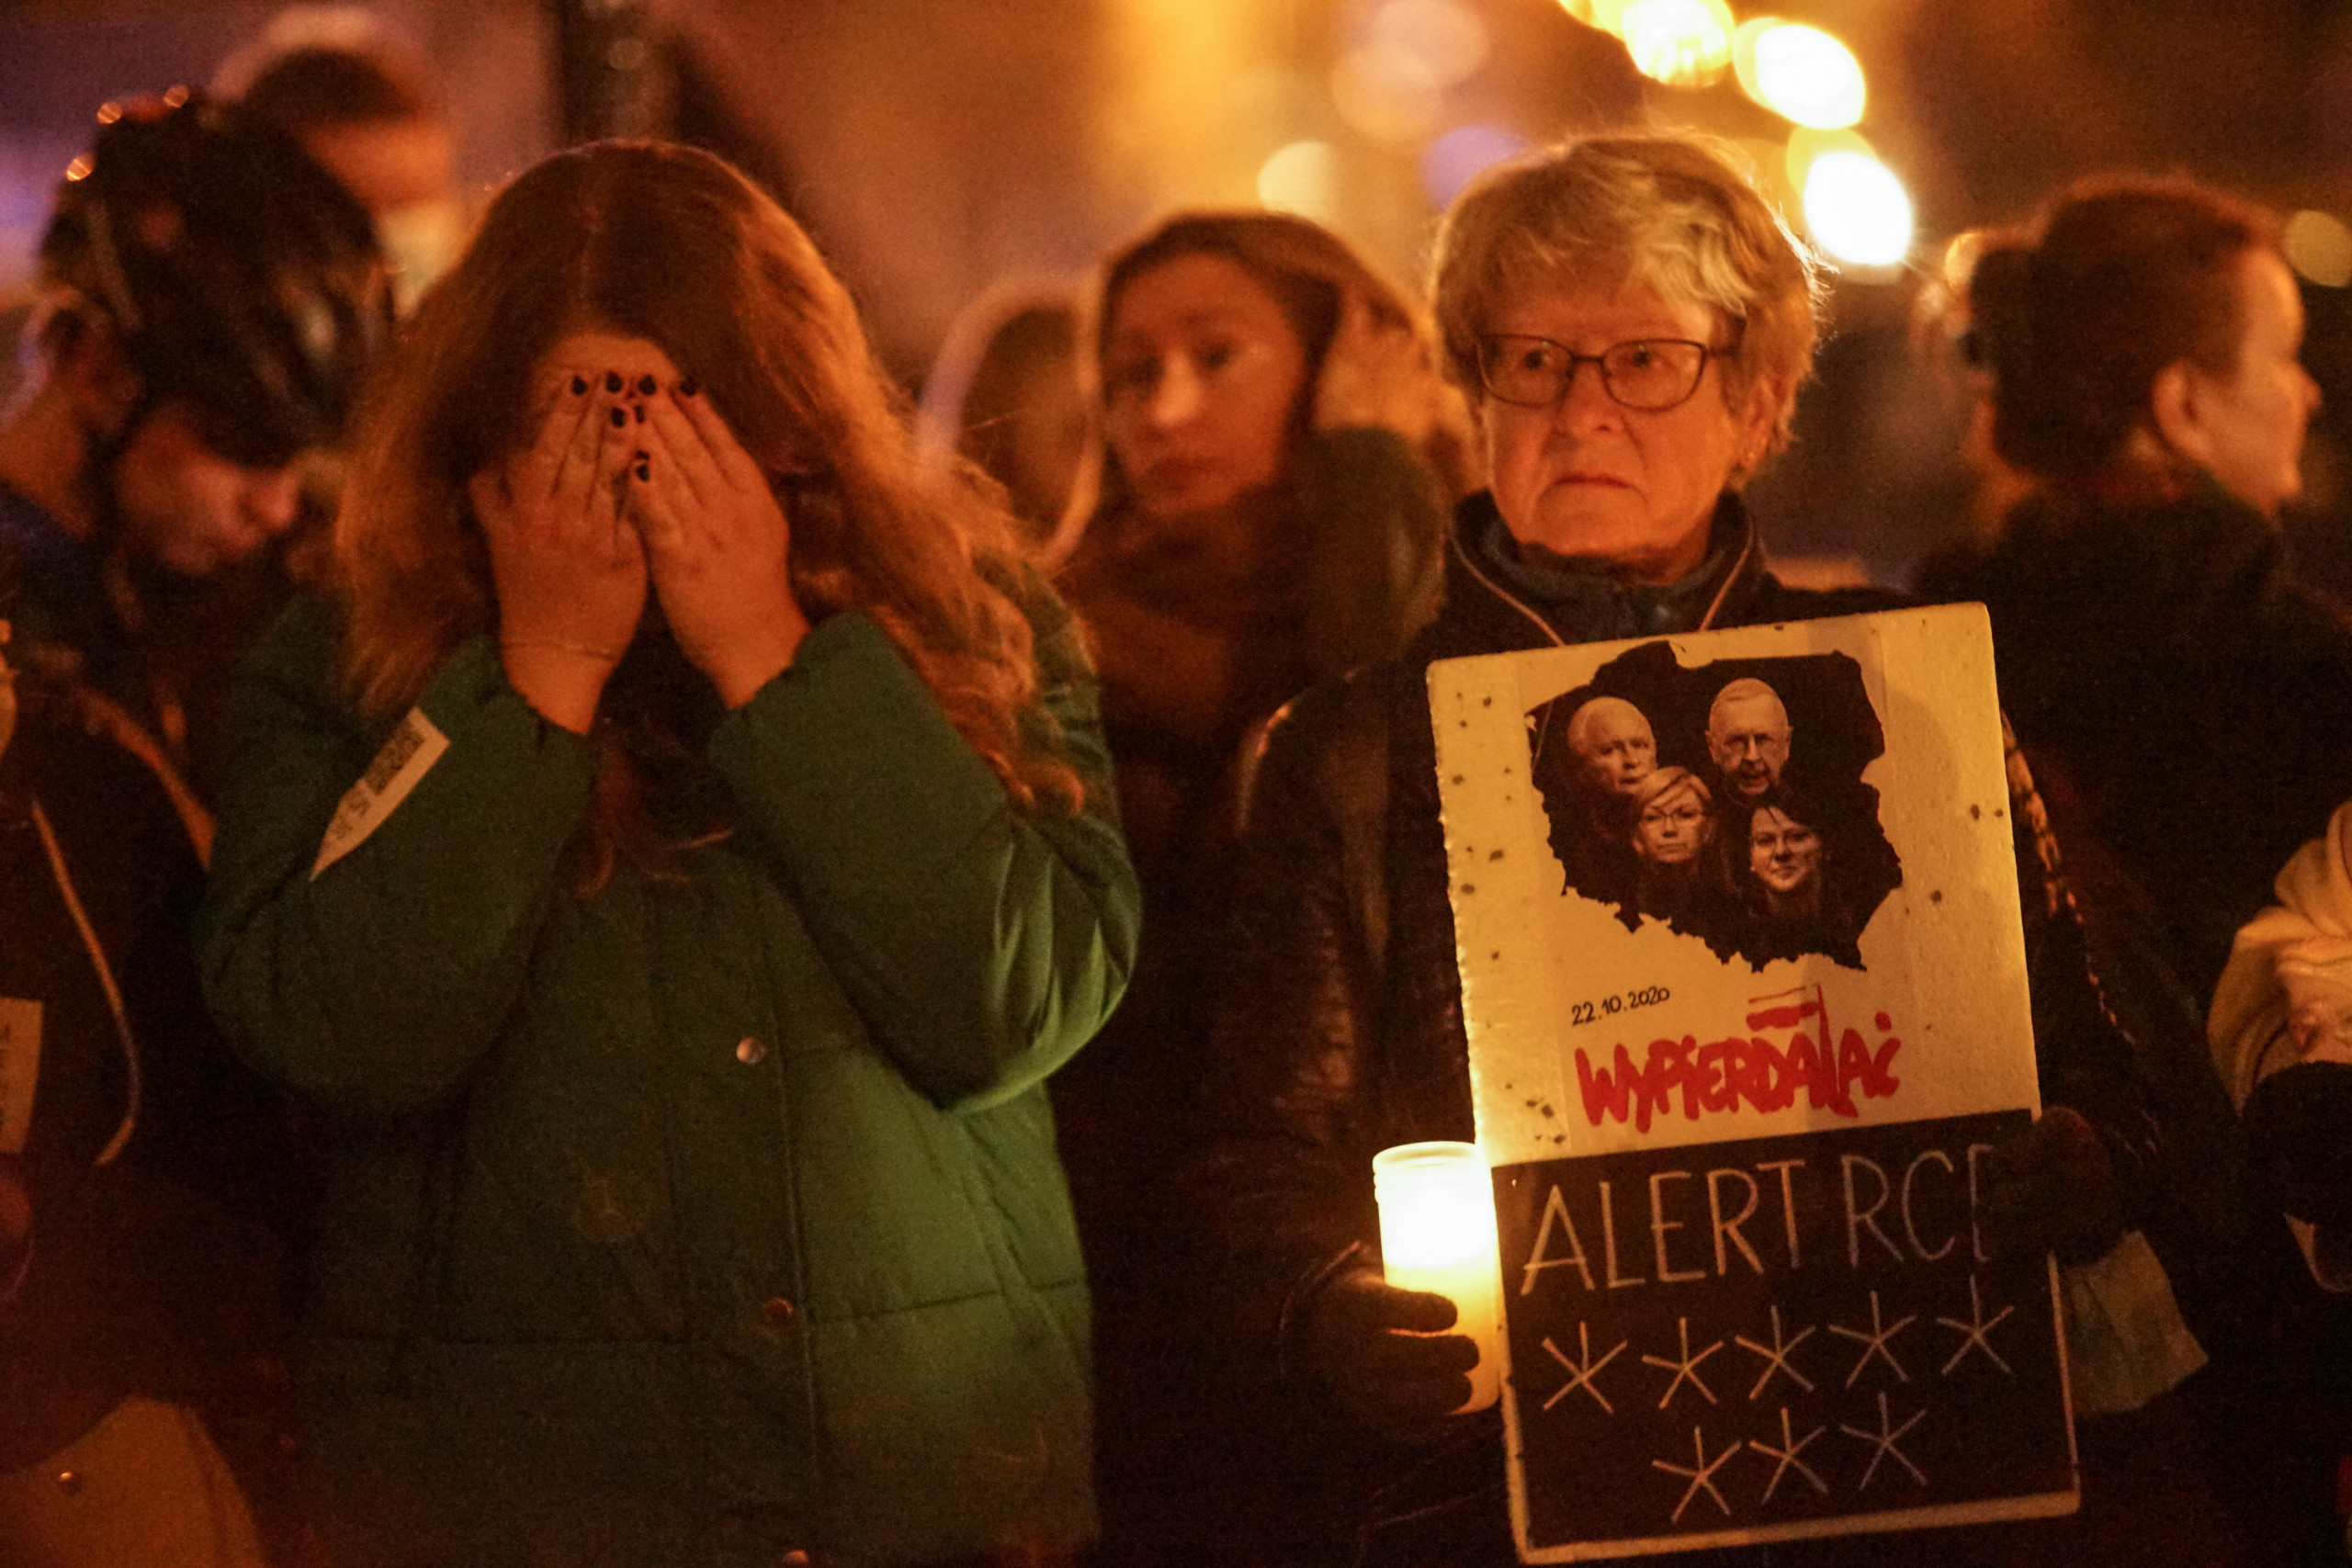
1338 1029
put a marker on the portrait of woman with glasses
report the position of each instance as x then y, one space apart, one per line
1631 323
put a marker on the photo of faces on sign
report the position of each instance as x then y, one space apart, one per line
1726 801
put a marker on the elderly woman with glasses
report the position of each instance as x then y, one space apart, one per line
1632 323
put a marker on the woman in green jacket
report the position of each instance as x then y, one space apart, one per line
671 864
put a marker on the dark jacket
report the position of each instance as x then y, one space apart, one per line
712 1216
164 1200
1196 648
2185 697
1340 1030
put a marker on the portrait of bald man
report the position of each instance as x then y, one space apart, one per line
1615 744
1748 736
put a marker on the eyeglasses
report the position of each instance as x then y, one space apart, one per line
1647 375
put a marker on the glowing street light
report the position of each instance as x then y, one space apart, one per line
1798 72
1806 144
1684 43
1609 15
1857 210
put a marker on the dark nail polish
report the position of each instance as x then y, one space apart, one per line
579 386
647 386
644 473
688 387
612 380
640 455
620 417
639 409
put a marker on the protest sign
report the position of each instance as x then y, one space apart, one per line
1745 988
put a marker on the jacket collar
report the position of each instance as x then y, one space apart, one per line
2183 566
1496 601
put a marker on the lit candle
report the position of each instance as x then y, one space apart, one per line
1437 1233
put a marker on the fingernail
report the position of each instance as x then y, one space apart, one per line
579 386
647 386
644 473
620 417
639 409
612 380
688 387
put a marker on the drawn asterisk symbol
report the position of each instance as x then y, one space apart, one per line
1973 1331
1884 1440
1875 1343
1582 1372
1701 1475
1790 1446
1776 1359
1685 1367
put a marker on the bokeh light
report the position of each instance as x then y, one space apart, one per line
1447 37
1609 15
1684 43
1805 144
2319 246
1858 210
1798 72
1303 177
1461 156
1388 92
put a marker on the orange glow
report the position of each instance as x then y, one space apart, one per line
1609 15
1445 35
1798 72
1858 210
1388 93
2319 246
1303 177
1684 43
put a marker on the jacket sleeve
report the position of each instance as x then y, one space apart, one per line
375 984
1280 1178
2087 1059
981 943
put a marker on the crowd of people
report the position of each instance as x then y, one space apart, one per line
558 848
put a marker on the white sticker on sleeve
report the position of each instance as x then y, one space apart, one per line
19 1071
415 744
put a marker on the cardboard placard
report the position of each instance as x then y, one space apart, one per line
1745 988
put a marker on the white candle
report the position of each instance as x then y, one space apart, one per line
1437 1233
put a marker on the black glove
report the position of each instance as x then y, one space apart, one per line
2053 1188
2299 1120
1382 1354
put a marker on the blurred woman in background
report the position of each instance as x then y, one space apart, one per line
1262 509
1005 392
2185 699
669 862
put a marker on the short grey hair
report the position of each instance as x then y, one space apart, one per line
1671 210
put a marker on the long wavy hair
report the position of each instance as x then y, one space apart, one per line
673 245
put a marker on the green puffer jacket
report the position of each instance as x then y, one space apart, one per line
710 1219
